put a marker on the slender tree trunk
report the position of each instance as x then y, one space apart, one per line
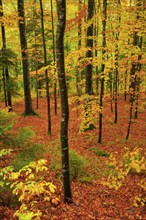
78 74
102 69
36 56
89 45
116 85
4 87
116 64
88 125
133 76
46 71
61 11
125 87
111 90
139 66
23 42
132 89
53 42
6 70
96 30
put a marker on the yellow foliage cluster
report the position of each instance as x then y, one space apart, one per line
31 188
134 161
41 72
89 107
117 171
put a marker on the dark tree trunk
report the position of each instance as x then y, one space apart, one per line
102 69
25 64
46 71
78 74
61 11
7 92
139 66
96 28
125 87
132 89
89 44
133 76
53 42
111 90
36 56
9 99
116 65
89 69
4 87
116 84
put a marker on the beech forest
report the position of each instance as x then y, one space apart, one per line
72 109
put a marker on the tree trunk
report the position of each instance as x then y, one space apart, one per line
53 42
25 64
4 87
102 69
139 66
89 45
61 11
116 64
134 69
46 71
88 125
78 74
8 101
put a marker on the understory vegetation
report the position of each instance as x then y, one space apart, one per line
30 171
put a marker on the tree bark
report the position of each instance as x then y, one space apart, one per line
89 45
61 11
102 69
25 64
54 59
7 92
46 71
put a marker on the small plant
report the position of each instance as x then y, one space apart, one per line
134 161
27 154
7 120
140 200
116 172
77 165
23 136
31 188
99 152
4 170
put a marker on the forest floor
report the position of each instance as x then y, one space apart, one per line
91 199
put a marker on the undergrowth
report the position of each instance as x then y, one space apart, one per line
78 165
117 171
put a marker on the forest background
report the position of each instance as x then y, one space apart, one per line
101 74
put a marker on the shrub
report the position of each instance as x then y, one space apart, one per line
116 172
78 165
23 136
31 188
7 120
28 154
99 152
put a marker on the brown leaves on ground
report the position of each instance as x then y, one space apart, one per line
90 200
